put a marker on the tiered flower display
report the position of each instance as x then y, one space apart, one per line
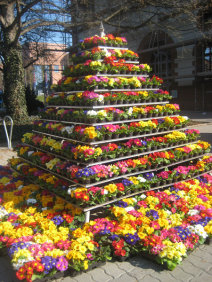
108 136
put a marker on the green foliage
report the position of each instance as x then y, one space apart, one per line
31 100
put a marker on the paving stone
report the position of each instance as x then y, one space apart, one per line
188 267
112 269
99 274
149 278
138 273
163 276
203 254
203 277
83 277
180 275
124 278
125 265
67 279
145 264
199 262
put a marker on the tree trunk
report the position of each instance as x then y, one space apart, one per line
14 88
13 71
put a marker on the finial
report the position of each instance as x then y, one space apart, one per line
102 31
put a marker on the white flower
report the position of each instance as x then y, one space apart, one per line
3 212
70 189
129 209
101 98
199 230
143 196
141 179
185 117
31 201
107 53
130 111
105 192
68 129
44 209
91 113
193 212
168 212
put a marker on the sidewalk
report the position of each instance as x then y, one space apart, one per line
203 117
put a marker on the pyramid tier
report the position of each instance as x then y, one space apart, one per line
109 114
117 189
107 40
99 54
103 82
88 134
93 99
87 155
95 173
107 66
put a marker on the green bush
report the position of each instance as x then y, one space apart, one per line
33 104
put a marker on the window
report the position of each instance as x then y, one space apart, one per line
161 64
208 58
56 68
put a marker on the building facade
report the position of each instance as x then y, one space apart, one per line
44 64
181 54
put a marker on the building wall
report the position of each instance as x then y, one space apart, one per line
186 79
47 69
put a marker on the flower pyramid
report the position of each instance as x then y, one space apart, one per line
109 135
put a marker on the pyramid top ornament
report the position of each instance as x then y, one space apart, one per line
102 30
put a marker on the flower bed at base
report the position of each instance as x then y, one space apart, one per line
42 234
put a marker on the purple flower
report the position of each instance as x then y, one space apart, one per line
57 220
121 204
126 182
152 213
131 239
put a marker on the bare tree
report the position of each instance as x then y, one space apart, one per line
19 19
157 13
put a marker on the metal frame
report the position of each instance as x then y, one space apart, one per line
112 178
108 160
87 210
105 123
111 90
8 136
107 106
109 140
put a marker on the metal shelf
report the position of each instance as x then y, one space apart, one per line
108 160
112 178
105 123
107 106
90 208
110 90
109 140
140 192
103 47
126 62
